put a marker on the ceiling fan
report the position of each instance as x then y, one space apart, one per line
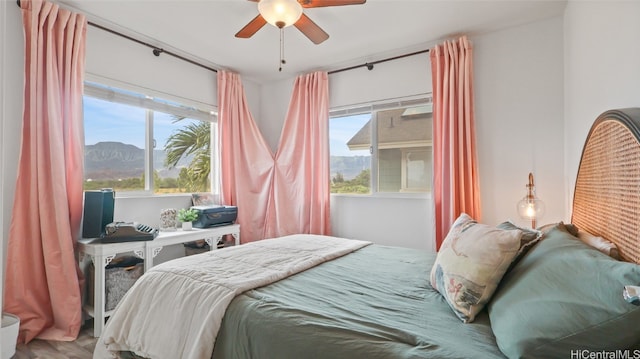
283 13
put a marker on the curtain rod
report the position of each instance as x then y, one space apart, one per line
369 65
156 50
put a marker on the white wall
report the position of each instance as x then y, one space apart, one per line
117 61
12 61
519 118
275 99
146 210
3 41
602 70
116 58
409 76
403 222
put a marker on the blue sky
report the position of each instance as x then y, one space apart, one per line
109 121
341 129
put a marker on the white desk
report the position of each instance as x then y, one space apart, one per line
101 254
210 235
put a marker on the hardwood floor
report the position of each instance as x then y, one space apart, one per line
81 348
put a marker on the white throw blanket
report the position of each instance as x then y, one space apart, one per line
176 308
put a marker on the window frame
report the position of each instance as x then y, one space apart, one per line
372 107
99 87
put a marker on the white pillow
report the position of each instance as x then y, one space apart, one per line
607 247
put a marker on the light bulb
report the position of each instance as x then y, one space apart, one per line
530 207
530 211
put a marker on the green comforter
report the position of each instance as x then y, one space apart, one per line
374 303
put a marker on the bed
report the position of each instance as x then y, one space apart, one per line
550 292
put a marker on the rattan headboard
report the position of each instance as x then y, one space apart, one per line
606 201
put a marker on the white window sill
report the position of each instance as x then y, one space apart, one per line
148 194
405 195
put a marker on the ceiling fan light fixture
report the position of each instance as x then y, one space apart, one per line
280 13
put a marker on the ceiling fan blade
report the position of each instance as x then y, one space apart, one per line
252 27
311 29
325 3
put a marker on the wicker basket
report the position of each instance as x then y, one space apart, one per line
196 247
201 246
120 275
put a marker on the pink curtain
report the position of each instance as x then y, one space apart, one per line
42 275
283 194
455 172
246 161
301 194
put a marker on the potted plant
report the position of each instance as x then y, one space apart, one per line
187 216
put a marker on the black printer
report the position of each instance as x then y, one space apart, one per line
215 215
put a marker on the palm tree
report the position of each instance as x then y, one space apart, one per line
193 140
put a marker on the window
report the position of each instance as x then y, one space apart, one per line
137 143
350 166
387 149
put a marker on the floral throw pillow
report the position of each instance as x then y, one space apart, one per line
470 264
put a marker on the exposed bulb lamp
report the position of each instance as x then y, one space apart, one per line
531 207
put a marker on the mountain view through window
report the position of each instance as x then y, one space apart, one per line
117 136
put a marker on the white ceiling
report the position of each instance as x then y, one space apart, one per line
204 30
